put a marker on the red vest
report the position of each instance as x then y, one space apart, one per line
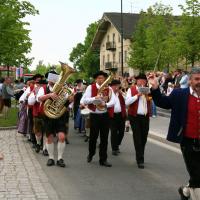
94 94
192 129
38 107
123 107
132 110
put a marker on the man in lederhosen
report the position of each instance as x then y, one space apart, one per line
117 115
99 120
53 127
139 112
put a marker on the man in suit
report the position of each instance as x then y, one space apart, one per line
138 112
184 127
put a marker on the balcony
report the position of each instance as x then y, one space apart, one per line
111 46
110 65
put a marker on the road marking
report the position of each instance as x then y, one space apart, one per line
157 134
166 146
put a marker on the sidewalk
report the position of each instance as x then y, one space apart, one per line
21 176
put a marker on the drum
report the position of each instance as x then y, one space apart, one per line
85 112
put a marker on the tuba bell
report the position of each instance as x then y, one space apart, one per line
56 108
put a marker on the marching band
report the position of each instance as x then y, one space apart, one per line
105 106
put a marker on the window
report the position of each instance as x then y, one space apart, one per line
113 37
108 38
113 57
103 60
125 56
119 37
108 58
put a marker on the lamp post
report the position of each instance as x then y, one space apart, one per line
122 36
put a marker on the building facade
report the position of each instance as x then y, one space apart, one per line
108 40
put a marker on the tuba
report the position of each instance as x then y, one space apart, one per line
104 87
56 108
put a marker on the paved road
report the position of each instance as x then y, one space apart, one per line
159 125
21 176
164 172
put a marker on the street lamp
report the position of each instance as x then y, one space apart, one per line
122 36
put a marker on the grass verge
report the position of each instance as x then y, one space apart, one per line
11 120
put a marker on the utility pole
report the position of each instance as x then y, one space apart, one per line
122 36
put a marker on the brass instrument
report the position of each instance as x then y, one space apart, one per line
103 87
56 108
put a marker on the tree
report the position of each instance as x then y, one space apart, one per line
85 60
138 47
189 32
154 45
14 36
42 69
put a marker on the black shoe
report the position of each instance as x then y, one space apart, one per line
89 158
29 140
37 148
45 152
114 153
66 141
180 191
61 163
140 165
105 164
50 162
86 139
127 129
118 151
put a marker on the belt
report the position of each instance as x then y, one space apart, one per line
118 113
92 113
141 115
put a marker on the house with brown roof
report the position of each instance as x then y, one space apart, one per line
108 40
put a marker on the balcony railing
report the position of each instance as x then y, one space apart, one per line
110 65
111 46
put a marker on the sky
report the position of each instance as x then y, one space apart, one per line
62 24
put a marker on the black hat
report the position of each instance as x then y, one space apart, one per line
115 82
141 76
42 81
37 76
100 73
79 81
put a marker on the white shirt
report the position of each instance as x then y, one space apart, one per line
193 93
40 93
184 81
89 100
117 106
24 95
142 104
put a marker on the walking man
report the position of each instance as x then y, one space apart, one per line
184 127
